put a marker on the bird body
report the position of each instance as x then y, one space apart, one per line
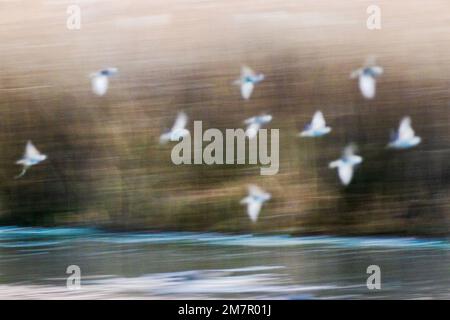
254 201
317 127
405 138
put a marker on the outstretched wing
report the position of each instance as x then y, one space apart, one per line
250 120
377 70
405 131
334 164
31 151
180 122
111 71
318 121
252 130
247 72
349 150
370 60
355 73
263 119
254 190
164 138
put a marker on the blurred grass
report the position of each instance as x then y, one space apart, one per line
106 167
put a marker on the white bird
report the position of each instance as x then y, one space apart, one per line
367 78
31 157
317 127
100 80
255 123
254 201
178 130
247 81
346 163
405 137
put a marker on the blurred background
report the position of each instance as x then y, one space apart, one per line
107 170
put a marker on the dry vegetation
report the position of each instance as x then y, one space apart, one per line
106 167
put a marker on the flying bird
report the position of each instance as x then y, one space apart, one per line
178 130
367 78
346 163
31 157
317 127
405 137
247 81
100 80
254 201
255 123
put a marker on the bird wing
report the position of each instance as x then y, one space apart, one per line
247 72
370 60
180 122
112 71
245 200
254 190
265 118
405 131
354 160
377 70
367 85
349 150
246 89
355 73
334 164
318 121
164 138
251 120
253 209
252 130
345 173
31 151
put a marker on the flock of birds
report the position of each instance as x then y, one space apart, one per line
404 138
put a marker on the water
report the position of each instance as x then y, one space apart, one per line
178 265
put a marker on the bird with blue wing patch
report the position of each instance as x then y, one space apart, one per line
405 137
317 127
100 80
367 78
247 81
345 165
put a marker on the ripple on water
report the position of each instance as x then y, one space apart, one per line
18 237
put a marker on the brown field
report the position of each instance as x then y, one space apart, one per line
106 167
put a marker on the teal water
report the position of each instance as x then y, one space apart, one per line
182 265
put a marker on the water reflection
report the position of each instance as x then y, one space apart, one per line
174 265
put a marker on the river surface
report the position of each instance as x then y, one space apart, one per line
179 265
